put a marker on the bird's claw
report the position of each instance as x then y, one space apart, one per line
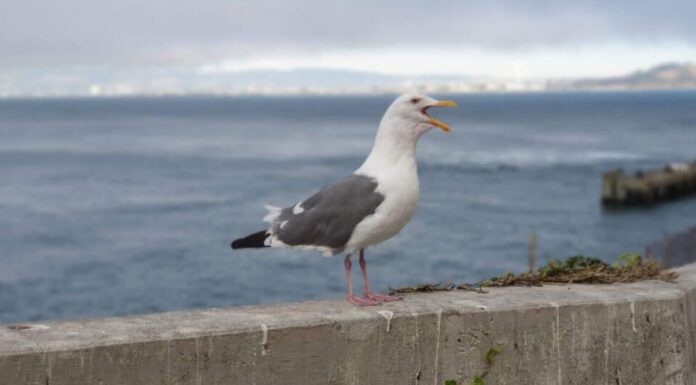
361 301
381 297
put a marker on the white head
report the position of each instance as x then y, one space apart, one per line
404 122
408 114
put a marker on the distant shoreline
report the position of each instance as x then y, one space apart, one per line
663 77
344 94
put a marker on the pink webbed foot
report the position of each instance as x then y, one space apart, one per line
361 301
381 297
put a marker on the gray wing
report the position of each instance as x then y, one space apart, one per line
329 217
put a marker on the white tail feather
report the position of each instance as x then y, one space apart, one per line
273 213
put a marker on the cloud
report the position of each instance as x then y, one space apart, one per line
43 33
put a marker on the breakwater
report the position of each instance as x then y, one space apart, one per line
648 187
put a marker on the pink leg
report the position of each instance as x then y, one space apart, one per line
349 295
369 294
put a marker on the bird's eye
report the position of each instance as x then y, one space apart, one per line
415 100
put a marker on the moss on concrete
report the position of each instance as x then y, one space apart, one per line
581 269
577 269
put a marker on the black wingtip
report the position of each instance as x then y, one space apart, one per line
237 244
255 240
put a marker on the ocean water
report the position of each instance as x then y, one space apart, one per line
123 206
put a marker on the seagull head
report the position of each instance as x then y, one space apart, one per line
411 111
402 125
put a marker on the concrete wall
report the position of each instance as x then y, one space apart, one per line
643 333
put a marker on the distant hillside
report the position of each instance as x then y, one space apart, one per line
175 81
105 81
664 76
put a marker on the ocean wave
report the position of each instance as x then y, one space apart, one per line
512 160
140 208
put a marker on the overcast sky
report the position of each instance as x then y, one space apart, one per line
514 38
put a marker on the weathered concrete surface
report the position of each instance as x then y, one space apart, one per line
643 333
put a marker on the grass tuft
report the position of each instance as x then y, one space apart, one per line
577 269
580 269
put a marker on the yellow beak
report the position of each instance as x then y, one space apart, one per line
438 123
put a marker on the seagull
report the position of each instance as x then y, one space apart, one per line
365 208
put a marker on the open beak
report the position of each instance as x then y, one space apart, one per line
435 122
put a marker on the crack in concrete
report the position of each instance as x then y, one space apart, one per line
416 345
557 340
199 380
437 345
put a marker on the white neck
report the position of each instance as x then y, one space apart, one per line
395 146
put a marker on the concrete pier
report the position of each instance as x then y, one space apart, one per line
641 333
650 187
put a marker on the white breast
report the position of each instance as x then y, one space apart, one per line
401 191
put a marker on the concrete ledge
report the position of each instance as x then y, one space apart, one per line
643 333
